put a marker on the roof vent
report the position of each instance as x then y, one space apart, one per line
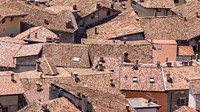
151 80
135 79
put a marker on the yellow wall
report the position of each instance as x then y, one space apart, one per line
10 27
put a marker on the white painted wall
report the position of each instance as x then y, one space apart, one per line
147 110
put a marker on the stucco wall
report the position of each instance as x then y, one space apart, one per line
11 102
143 12
161 97
10 27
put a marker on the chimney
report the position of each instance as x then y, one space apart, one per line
12 77
112 83
158 64
197 14
69 24
96 30
168 77
44 107
112 6
135 67
169 64
37 65
46 21
75 7
148 102
35 35
102 60
185 19
126 57
75 77
39 86
124 41
98 6
84 103
100 67
127 108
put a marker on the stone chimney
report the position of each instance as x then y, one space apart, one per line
37 65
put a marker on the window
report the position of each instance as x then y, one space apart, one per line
108 13
181 101
159 47
151 80
12 18
4 29
135 79
76 59
158 10
176 1
82 24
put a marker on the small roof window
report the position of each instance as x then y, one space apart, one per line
76 59
151 80
135 79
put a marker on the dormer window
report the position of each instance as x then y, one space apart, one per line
152 80
135 79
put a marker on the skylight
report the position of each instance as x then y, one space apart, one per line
135 79
151 80
76 59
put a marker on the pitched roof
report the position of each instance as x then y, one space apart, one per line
8 12
188 9
164 28
101 101
11 40
123 25
177 81
7 52
9 87
156 3
185 51
195 86
67 55
29 50
47 66
137 50
87 8
141 103
36 34
41 17
34 95
55 105
140 80
185 109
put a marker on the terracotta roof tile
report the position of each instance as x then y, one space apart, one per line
34 95
7 52
137 50
9 87
56 105
29 50
67 55
185 109
11 40
156 3
185 51
36 34
37 16
122 25
195 86
143 76
101 101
